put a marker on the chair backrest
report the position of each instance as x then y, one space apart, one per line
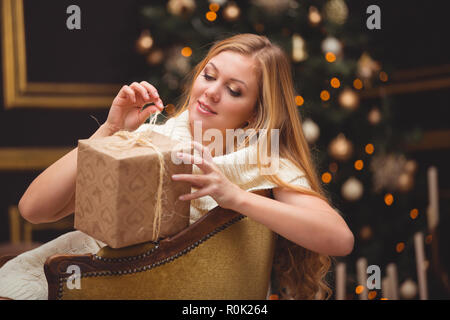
223 255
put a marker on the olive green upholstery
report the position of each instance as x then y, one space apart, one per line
224 255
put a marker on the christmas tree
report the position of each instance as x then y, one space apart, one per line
360 155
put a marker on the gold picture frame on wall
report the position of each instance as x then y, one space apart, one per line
19 92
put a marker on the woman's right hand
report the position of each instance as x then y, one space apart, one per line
126 110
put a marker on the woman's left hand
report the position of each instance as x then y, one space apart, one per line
212 182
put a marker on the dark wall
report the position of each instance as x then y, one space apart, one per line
101 52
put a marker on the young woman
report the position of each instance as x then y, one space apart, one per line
245 82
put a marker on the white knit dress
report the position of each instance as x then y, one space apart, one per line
23 278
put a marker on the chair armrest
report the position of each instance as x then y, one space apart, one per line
113 264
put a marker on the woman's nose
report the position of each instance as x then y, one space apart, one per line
213 93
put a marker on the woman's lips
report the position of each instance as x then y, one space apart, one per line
203 111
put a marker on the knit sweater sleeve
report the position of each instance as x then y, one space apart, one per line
288 173
248 179
175 128
291 174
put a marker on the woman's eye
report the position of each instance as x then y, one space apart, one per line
207 77
235 93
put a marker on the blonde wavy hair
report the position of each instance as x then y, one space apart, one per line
299 272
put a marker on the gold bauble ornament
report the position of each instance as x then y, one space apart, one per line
386 170
348 99
155 57
274 7
405 182
336 11
181 7
352 189
176 62
367 67
314 16
144 43
411 166
219 2
231 12
340 148
333 45
311 130
374 116
408 289
365 233
298 48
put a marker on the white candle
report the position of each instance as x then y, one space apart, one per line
391 271
433 198
385 289
420 265
340 281
361 268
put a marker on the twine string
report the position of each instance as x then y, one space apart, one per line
143 139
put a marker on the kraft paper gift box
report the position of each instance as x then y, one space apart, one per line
116 191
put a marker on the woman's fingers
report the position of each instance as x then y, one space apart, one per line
203 164
204 151
197 180
150 89
154 93
142 93
195 195
147 112
148 93
129 93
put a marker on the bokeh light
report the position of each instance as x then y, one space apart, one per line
369 148
325 95
372 295
211 16
299 100
326 177
330 57
214 7
186 52
400 247
414 213
359 164
335 83
388 199
333 167
357 84
383 76
359 289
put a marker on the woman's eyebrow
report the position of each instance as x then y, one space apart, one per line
237 80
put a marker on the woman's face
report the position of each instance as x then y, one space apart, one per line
227 87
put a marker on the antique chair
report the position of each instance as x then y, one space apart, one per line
223 255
